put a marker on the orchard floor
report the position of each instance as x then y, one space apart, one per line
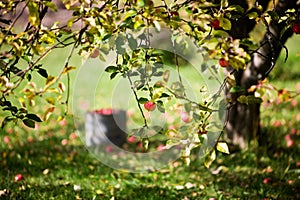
55 165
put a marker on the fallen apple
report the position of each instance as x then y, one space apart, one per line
19 177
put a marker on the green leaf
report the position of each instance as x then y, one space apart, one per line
132 43
51 5
210 159
225 23
130 13
113 75
142 100
33 17
236 89
222 109
252 15
28 122
160 106
13 109
224 3
51 100
33 117
222 147
43 72
204 66
105 37
120 41
273 14
242 99
6 121
111 69
140 3
163 95
252 100
236 8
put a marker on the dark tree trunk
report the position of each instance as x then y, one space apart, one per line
244 120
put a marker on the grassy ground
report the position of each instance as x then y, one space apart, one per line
55 164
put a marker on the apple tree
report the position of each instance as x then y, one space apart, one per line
220 29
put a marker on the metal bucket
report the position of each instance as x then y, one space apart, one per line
105 127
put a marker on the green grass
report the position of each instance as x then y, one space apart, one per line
53 169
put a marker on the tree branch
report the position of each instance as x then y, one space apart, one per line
264 59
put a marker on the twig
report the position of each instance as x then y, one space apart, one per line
137 100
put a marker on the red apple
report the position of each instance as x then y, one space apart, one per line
296 28
150 106
290 143
109 149
131 139
161 147
95 54
105 111
6 139
267 180
19 177
223 62
215 24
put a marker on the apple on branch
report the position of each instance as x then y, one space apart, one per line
150 106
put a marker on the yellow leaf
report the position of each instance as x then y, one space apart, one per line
50 80
51 100
209 159
222 147
48 113
243 99
67 69
62 87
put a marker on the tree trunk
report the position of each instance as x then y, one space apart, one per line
244 120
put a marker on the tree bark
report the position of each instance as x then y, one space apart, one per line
244 120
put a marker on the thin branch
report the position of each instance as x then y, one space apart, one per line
137 100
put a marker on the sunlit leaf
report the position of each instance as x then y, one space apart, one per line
225 23
222 147
48 113
157 25
68 68
224 3
210 159
252 15
51 100
62 87
50 80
